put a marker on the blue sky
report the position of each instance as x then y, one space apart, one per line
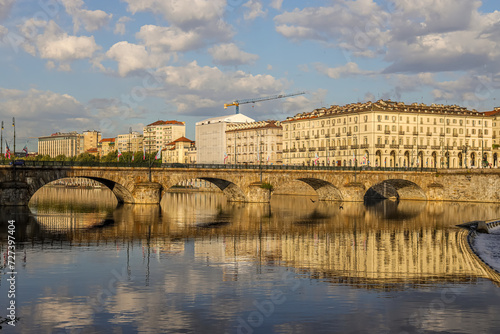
74 65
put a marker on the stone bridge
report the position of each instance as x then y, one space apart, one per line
143 185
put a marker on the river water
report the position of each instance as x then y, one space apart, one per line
199 264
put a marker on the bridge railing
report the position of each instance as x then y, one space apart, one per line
158 164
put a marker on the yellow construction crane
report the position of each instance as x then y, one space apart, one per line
258 99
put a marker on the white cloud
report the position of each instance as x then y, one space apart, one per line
348 70
132 57
43 112
276 4
230 54
3 31
213 86
254 10
5 8
169 38
120 25
91 19
55 44
184 14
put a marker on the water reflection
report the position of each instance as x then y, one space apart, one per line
376 245
197 263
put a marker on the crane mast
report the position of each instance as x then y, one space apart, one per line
237 103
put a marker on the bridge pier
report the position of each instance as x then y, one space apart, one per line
147 193
14 193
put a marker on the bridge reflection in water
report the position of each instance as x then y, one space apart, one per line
386 245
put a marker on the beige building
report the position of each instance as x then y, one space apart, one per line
211 137
130 142
254 143
69 144
388 134
158 134
91 140
495 124
178 151
107 145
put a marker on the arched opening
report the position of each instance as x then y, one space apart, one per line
123 195
460 160
232 192
434 160
420 159
325 190
473 159
393 159
395 189
378 158
447 159
406 161
485 162
495 159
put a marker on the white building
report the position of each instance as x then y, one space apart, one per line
211 137
130 142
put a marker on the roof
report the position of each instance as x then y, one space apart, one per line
254 125
108 140
165 123
234 118
181 140
381 105
493 112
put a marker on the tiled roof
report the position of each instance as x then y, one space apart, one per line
166 123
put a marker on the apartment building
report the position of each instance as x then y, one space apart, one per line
69 144
130 142
107 145
178 151
389 134
211 137
158 134
254 143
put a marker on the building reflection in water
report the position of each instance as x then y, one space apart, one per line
385 245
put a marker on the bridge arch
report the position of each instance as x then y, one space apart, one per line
123 195
230 189
397 189
325 190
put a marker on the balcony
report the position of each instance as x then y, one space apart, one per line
455 135
303 149
408 147
435 147
442 134
293 150
379 145
394 146
480 135
327 135
494 136
316 136
337 135
354 147
421 147
415 133
297 138
401 133
312 149
467 135
349 133
322 149
286 151
428 134
364 146
387 132
307 137
343 147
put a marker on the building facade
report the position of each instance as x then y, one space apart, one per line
91 140
178 151
389 134
254 143
107 145
211 138
130 142
158 134
69 144
495 124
